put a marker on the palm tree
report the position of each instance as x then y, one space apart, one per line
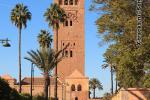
111 62
45 39
45 61
111 74
54 16
95 83
19 16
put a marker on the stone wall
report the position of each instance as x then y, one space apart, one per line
132 94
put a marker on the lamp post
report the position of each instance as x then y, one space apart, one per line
5 42
32 76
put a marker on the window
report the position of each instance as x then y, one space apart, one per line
66 23
76 2
71 2
79 88
74 44
73 88
71 54
71 23
63 53
60 2
65 2
66 53
76 98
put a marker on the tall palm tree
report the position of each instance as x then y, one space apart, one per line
112 70
95 83
19 16
55 15
45 61
111 62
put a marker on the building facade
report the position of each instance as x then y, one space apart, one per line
72 82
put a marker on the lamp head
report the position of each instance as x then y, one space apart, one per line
5 43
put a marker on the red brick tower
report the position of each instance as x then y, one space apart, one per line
72 32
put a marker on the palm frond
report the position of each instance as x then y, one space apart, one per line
20 15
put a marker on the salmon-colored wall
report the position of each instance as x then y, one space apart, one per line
132 94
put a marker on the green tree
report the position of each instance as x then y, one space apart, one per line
7 93
45 39
110 61
117 25
45 61
95 84
107 96
55 15
19 17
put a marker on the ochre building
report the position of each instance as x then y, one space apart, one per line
72 82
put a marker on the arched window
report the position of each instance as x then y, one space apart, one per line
71 54
76 2
63 53
73 87
79 88
60 2
71 2
70 22
66 23
66 53
76 98
65 2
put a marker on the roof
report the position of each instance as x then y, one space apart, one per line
37 81
7 77
76 74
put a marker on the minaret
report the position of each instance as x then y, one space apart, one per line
72 32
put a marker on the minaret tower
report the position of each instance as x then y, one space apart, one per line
71 68
72 32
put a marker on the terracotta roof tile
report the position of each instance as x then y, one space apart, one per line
37 81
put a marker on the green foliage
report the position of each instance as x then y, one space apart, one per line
7 93
95 83
45 60
55 15
38 97
25 96
107 96
45 39
20 15
117 25
146 81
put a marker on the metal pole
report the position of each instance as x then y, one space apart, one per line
111 80
31 79
62 91
50 88
65 93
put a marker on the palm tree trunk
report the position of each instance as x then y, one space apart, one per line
116 85
46 84
19 57
56 65
111 80
94 93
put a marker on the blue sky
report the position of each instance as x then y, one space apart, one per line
9 56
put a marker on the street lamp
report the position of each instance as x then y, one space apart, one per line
5 42
32 78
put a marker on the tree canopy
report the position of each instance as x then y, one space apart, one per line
117 25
